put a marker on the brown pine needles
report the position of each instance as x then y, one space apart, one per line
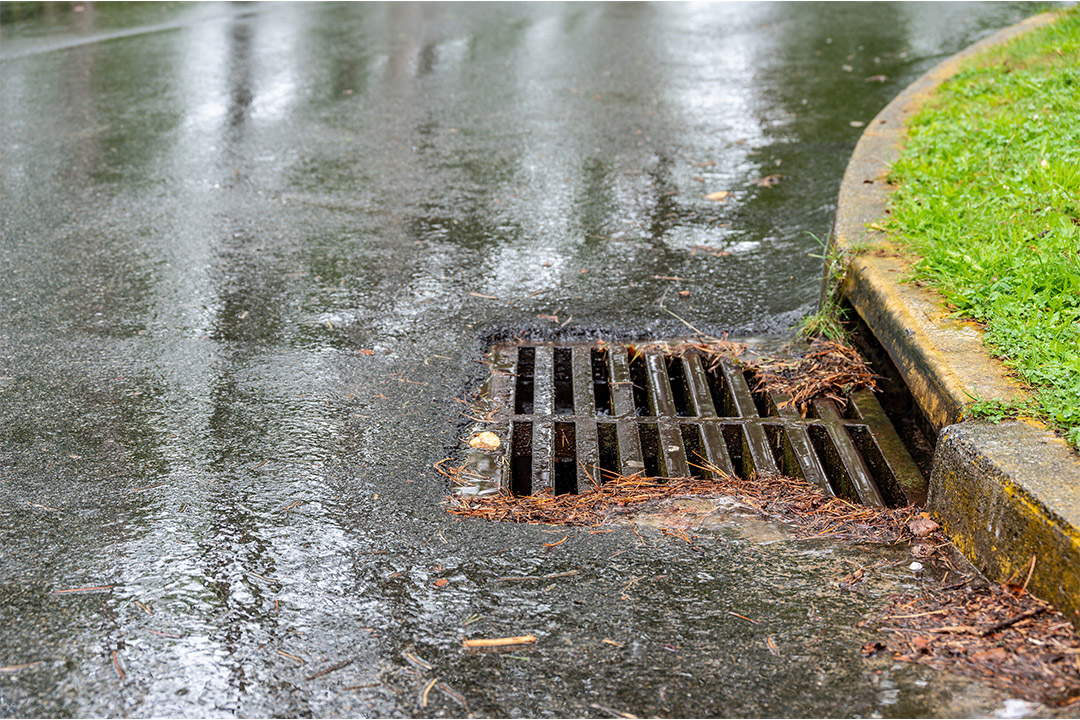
828 369
792 499
1000 634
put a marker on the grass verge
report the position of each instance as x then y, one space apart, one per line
989 197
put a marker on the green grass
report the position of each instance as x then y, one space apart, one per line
988 195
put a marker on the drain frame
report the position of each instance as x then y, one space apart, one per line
855 453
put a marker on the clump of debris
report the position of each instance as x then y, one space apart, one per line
824 369
793 499
1000 634
827 369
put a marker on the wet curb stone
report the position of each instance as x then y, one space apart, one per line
1003 492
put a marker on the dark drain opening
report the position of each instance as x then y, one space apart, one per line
523 388
564 382
826 450
695 450
601 377
783 453
733 439
650 448
608 439
764 406
521 459
565 458
719 393
680 393
639 377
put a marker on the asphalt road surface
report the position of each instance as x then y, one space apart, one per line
250 256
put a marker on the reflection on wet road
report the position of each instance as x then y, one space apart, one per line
251 255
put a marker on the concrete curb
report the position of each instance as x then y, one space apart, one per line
1003 493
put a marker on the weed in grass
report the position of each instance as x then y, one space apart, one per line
998 410
828 320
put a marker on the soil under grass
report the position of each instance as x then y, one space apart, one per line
989 197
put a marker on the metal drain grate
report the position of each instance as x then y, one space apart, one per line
566 409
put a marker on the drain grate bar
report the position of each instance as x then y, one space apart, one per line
881 446
800 457
584 404
574 414
698 386
850 462
672 454
659 387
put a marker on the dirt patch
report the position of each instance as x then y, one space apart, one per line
1000 634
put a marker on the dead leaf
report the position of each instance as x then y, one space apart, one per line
921 527
441 582
684 293
718 196
365 351
767 181
994 655
487 441
853 577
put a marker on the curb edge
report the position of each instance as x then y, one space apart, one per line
1003 493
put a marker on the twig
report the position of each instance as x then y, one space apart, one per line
427 689
300 660
17 668
81 590
996 627
756 622
330 669
500 642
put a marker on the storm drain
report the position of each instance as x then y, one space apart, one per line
573 414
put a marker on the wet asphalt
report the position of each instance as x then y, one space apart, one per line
252 255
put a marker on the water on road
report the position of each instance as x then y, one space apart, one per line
252 254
